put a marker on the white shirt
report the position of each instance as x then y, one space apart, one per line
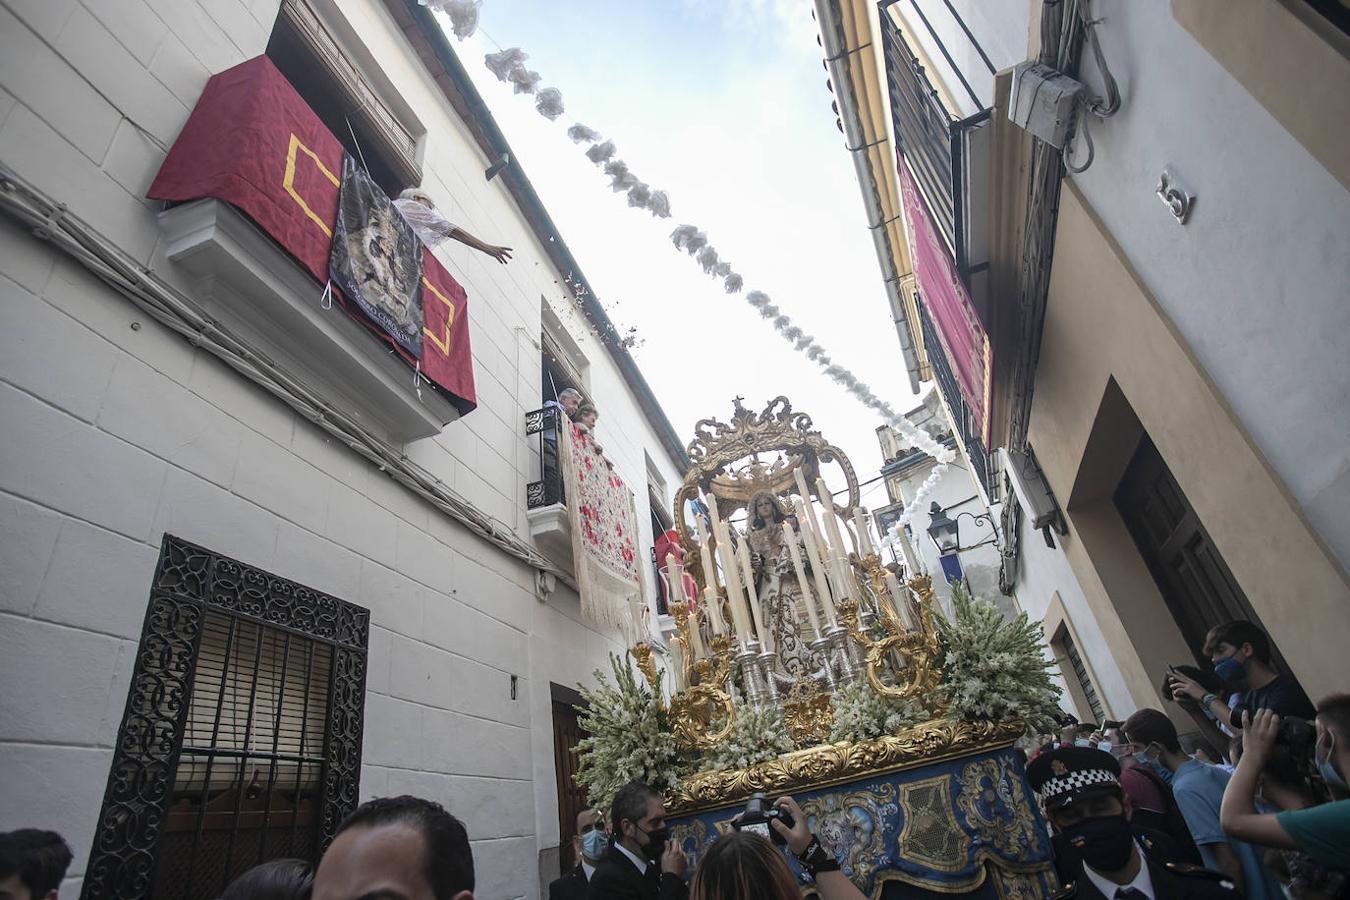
640 863
587 869
1142 882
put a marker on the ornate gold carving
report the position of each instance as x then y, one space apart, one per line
700 706
807 714
642 655
983 782
918 647
828 764
720 470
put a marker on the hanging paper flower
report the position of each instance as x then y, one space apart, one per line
600 152
523 79
549 103
580 134
463 14
659 204
503 62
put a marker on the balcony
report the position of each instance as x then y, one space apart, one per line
967 424
545 505
945 142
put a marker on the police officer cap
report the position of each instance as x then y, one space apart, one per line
1062 773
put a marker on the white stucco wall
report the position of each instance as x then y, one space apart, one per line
956 493
1044 572
116 431
1256 282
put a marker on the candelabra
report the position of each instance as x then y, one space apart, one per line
918 647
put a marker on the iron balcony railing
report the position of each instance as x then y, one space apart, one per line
967 426
935 141
548 490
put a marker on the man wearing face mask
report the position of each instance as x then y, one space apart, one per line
1322 832
1240 653
1098 854
641 863
1198 789
590 844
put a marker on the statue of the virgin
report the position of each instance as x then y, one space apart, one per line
780 596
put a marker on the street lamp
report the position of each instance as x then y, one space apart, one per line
946 531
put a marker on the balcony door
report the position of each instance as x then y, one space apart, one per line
1192 576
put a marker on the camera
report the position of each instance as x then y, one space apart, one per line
757 816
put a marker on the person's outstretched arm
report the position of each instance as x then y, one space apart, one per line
1237 814
500 254
832 885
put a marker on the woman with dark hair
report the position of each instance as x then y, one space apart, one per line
741 865
277 879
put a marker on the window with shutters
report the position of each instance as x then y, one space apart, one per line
241 740
1075 672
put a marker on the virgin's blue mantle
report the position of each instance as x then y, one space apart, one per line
964 827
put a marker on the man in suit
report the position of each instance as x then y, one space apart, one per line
1100 857
589 845
641 863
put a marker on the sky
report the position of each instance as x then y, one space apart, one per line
723 104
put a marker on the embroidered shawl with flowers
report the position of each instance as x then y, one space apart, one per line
601 511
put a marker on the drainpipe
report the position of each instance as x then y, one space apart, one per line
836 61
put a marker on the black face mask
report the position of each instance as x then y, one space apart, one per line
1103 842
656 842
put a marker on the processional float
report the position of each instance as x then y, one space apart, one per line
793 605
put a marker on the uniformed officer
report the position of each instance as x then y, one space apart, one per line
1101 857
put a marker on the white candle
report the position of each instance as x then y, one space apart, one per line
636 632
755 612
715 619
898 600
864 538
674 581
791 539
800 478
705 554
804 516
837 546
677 682
695 633
732 576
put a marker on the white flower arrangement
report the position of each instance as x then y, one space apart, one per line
629 737
861 714
758 734
994 669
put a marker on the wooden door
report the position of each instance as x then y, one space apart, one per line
1192 576
567 733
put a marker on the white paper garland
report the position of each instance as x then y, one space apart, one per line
509 66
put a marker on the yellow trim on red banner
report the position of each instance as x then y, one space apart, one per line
288 181
442 343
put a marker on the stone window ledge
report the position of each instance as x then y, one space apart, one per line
245 280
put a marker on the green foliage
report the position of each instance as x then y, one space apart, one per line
994 669
757 735
630 737
861 714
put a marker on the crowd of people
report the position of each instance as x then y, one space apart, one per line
1253 804
1135 815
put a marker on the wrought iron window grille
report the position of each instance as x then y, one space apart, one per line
216 768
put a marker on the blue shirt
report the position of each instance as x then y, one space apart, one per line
1198 788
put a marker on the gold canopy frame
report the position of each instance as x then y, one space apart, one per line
725 466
